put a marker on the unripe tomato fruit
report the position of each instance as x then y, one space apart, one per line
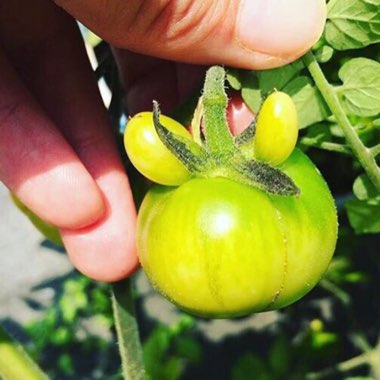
218 248
149 155
48 230
276 129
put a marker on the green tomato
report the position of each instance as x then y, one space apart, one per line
217 248
149 155
48 230
276 129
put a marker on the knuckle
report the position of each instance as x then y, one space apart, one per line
173 24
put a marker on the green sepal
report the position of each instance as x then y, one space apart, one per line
265 177
247 136
192 155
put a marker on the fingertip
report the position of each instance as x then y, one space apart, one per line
106 251
65 196
280 28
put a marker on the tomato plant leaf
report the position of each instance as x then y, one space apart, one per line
353 24
250 91
311 107
233 77
364 189
364 216
360 91
324 53
256 85
279 77
192 155
266 177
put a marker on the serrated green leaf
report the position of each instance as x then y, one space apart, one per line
364 189
279 77
309 102
353 24
361 87
364 217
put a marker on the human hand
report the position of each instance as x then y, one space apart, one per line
57 153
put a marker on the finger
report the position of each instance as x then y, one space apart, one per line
106 250
244 33
37 164
146 79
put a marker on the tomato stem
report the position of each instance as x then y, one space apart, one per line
362 153
375 150
15 363
219 139
127 331
325 145
368 358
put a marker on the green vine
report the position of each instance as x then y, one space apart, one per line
365 155
127 331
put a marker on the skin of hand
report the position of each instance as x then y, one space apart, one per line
56 150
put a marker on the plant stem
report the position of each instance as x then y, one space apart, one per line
364 359
218 136
375 150
127 331
15 363
362 153
331 147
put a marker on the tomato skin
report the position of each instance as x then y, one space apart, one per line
217 248
149 155
276 129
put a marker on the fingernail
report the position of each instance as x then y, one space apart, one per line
281 28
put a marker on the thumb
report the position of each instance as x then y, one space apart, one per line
243 33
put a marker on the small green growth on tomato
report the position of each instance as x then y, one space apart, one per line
276 129
149 155
242 232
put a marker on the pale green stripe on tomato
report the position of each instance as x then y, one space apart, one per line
311 228
149 155
276 129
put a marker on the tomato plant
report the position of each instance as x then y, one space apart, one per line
149 155
240 235
276 129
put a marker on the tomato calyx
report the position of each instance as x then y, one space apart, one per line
214 151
